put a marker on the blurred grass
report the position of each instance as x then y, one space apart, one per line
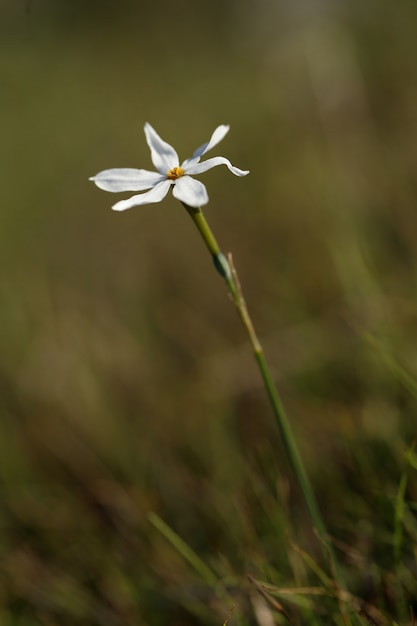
126 383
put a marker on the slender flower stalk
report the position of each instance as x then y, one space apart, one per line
227 270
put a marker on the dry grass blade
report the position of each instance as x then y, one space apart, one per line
361 607
272 601
226 621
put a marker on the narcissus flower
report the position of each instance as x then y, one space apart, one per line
169 173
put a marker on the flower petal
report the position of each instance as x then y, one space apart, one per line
156 194
217 136
199 168
190 191
126 179
164 157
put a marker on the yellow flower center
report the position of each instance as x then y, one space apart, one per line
175 173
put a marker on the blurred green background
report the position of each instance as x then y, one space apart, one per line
127 385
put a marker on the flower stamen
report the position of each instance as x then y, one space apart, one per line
175 173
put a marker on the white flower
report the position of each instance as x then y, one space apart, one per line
170 172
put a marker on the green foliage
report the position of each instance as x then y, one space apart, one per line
127 387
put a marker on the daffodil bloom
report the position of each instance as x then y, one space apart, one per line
169 173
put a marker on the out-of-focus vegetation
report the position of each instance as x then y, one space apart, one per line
127 386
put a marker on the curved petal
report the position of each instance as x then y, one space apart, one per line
190 191
164 157
217 136
199 168
156 194
126 179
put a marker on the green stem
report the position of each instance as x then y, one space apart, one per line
207 574
182 548
205 230
290 444
227 270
